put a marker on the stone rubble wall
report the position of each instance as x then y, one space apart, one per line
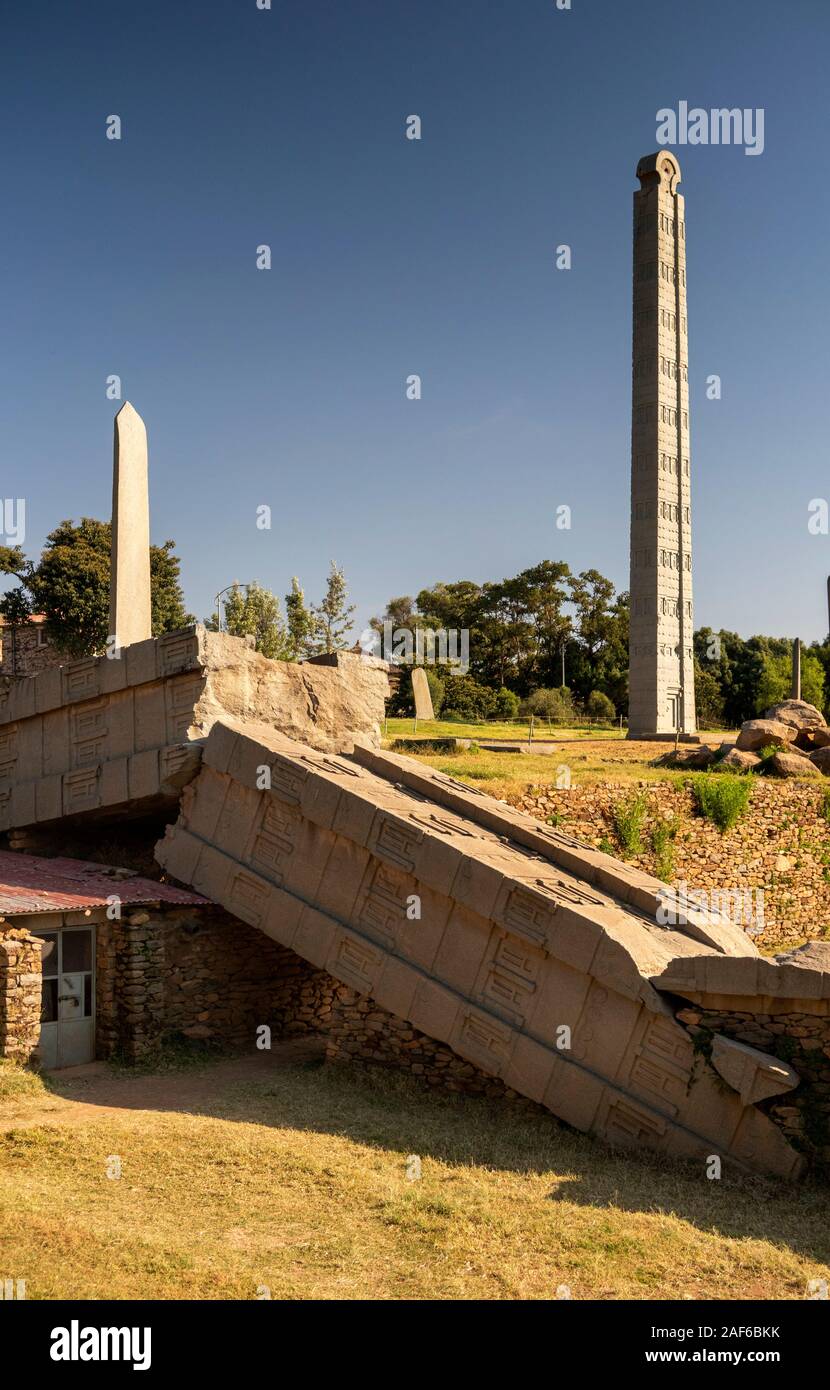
23 653
361 1032
20 976
781 844
200 974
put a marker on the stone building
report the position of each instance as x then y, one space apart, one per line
97 961
661 666
25 648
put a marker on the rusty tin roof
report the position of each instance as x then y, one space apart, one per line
30 884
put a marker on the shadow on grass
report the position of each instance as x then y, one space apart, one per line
291 1088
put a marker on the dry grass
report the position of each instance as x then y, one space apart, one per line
296 1180
505 775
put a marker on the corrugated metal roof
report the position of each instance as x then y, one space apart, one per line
29 883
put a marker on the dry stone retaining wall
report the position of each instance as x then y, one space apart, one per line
20 968
781 845
362 1032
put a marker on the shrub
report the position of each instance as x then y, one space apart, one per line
722 798
467 701
662 837
766 754
629 818
507 703
554 705
599 706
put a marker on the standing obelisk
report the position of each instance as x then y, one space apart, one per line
130 613
661 666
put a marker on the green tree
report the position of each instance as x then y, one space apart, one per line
253 611
553 704
70 582
507 703
708 697
332 617
300 623
775 683
599 706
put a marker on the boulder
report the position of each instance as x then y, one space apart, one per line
815 955
695 758
739 760
765 733
821 759
814 738
798 713
792 765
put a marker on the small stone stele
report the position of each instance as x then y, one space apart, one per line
421 693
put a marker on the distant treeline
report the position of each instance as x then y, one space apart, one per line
522 630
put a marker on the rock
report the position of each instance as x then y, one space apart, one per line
738 760
765 733
797 713
819 738
792 765
815 955
696 758
753 1074
820 758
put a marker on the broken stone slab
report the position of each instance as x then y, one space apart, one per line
798 980
764 733
100 736
631 886
753 1074
504 950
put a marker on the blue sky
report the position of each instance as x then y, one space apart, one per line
287 387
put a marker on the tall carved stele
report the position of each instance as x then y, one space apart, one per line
661 667
130 609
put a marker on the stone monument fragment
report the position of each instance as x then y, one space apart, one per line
421 693
130 610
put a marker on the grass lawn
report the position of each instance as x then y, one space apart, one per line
447 728
509 774
294 1177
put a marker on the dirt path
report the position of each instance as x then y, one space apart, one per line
78 1095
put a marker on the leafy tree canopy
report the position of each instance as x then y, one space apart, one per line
69 584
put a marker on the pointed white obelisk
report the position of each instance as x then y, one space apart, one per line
130 614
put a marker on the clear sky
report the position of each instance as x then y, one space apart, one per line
286 387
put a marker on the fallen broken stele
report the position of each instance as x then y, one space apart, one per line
523 931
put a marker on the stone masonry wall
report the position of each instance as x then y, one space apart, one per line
362 1032
781 844
202 974
803 1040
20 975
24 652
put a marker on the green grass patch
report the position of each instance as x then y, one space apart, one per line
629 818
662 843
722 798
